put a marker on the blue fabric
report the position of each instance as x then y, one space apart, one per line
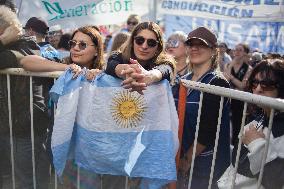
108 130
49 52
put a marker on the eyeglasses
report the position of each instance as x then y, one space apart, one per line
266 85
139 40
81 44
132 23
240 50
172 43
196 44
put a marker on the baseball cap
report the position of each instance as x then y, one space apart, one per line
203 34
37 24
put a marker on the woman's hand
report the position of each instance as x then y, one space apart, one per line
137 78
252 134
76 70
92 74
184 166
134 77
227 72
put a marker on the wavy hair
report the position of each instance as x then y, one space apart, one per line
94 33
273 68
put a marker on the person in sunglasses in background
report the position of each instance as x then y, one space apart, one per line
142 60
86 50
175 46
131 22
202 44
266 79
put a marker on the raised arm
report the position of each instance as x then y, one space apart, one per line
36 63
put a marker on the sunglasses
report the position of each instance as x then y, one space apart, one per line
139 40
132 23
266 85
172 43
196 44
81 44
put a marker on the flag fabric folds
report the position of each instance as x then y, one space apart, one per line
109 130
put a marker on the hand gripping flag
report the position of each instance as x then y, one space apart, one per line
109 130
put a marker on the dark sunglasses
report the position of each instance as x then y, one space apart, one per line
139 40
221 46
172 43
266 85
196 44
81 44
132 23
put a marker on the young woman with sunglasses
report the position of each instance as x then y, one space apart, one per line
201 43
142 60
175 46
266 79
86 50
237 73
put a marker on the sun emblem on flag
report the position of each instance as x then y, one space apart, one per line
127 108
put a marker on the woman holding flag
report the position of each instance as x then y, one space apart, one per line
201 44
142 60
86 50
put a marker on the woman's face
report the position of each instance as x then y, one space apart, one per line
264 86
199 52
176 48
84 52
145 45
239 51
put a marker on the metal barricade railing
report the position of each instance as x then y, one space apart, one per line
275 104
21 72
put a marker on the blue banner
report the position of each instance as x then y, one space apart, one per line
265 36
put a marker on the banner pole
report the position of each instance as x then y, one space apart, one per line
20 7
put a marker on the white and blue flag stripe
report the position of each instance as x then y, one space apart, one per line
109 130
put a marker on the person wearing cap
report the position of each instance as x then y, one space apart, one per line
38 28
202 45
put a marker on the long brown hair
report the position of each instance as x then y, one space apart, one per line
94 34
128 49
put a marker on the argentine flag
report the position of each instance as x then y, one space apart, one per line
109 130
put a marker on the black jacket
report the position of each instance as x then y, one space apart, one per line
20 92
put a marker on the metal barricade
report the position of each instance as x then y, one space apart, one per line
275 104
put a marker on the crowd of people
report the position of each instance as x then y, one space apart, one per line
140 56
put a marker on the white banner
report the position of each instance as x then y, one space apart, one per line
256 10
75 13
